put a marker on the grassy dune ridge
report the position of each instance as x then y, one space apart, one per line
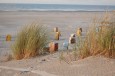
100 39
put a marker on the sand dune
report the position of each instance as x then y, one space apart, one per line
68 22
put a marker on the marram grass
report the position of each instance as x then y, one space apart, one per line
30 41
101 42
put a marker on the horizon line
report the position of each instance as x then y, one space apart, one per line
61 4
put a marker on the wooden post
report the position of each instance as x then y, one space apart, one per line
57 36
59 33
72 40
79 32
65 45
80 29
8 37
56 29
53 47
72 35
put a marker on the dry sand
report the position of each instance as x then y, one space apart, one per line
91 66
68 22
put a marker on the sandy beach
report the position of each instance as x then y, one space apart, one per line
91 66
67 22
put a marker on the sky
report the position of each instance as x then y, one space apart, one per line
86 2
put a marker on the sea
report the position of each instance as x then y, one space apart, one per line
54 7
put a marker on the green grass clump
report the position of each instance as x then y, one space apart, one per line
30 41
100 42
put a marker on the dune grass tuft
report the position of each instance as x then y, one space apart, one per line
99 39
30 41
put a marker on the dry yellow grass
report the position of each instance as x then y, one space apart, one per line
99 39
30 41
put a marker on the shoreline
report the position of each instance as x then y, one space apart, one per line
52 11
